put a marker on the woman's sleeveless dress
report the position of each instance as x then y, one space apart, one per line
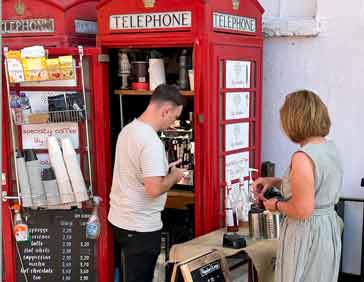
309 250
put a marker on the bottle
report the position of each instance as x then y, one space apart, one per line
241 202
25 106
255 215
183 76
93 226
231 216
255 203
15 107
21 230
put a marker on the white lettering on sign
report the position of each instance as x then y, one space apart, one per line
177 20
88 27
234 23
27 26
35 136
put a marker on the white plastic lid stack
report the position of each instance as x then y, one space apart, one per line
63 181
33 52
74 170
157 74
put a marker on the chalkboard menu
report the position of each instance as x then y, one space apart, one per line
209 267
59 250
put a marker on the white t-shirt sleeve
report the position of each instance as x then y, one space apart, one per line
153 160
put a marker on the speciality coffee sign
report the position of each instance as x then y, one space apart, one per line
174 20
35 136
234 23
27 26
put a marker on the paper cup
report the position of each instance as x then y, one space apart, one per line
157 74
191 79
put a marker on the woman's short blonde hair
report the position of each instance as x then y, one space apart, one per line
304 115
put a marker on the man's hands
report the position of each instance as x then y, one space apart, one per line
175 172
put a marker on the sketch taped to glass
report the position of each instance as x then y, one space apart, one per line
237 74
236 136
237 105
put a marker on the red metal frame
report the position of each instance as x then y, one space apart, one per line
252 54
99 128
209 46
7 231
63 12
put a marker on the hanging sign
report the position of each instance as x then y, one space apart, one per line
35 136
86 27
167 20
234 23
27 26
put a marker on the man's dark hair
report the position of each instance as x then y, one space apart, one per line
168 93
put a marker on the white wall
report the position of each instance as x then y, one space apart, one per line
331 64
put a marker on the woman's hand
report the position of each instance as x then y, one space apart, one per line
261 185
270 204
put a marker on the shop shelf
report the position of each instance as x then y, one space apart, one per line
144 92
52 117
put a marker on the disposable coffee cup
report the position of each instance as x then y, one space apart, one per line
191 79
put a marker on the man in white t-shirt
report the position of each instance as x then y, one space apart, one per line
142 176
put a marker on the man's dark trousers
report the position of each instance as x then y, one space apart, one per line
139 254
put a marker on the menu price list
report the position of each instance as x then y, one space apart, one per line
59 249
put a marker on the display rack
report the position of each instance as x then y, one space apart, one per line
78 115
144 92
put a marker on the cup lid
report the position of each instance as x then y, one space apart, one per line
30 155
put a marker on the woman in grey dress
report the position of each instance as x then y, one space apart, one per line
310 238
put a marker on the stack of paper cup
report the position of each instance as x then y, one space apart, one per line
56 159
24 184
157 74
51 187
34 173
74 170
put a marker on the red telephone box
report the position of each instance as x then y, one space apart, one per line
59 26
49 23
224 40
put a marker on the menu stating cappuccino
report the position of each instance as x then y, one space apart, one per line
58 250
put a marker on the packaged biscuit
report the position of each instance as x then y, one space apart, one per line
67 67
35 69
53 68
15 68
